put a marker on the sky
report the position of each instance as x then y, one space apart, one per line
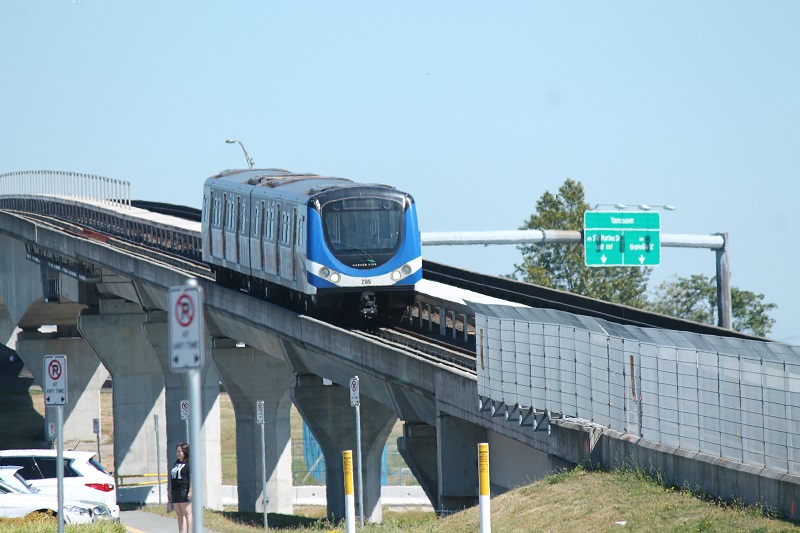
474 108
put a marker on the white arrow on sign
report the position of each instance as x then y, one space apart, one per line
603 258
641 259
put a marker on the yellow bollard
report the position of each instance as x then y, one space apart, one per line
349 498
483 495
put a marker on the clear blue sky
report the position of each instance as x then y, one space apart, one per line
475 108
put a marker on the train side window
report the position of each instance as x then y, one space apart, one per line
243 225
256 221
300 224
272 223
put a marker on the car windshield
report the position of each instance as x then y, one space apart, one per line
358 230
10 477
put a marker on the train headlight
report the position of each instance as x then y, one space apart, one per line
336 277
396 275
324 272
406 270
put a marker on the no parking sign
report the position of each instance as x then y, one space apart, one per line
185 328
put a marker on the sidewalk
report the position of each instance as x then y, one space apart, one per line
142 522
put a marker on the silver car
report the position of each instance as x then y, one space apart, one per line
18 499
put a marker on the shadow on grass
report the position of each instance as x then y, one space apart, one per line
284 521
251 519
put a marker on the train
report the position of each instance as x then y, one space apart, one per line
315 243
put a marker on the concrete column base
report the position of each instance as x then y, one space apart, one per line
176 390
249 376
327 411
417 446
117 336
85 378
457 451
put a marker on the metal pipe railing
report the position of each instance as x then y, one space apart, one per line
106 191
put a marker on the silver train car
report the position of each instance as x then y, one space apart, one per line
312 242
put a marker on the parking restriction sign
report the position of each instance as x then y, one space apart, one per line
185 328
260 412
354 392
55 380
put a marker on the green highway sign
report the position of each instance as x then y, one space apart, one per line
622 238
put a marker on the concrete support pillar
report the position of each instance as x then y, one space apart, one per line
176 390
326 409
116 334
20 281
249 376
85 378
457 452
7 326
417 446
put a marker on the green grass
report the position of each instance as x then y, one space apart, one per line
627 499
577 500
49 524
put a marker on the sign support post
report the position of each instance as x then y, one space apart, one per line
158 456
55 394
187 354
355 401
60 465
96 430
260 421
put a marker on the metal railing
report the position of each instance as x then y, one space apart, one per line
147 480
732 398
106 191
309 468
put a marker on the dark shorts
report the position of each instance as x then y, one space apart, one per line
180 496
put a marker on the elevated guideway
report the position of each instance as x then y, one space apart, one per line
112 299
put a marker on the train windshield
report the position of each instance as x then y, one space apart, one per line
363 232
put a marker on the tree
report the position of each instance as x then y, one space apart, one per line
695 298
563 266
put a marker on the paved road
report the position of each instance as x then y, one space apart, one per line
142 522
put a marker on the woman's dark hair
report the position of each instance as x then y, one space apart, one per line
184 446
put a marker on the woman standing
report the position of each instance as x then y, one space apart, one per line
181 489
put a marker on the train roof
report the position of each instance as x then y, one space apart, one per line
290 182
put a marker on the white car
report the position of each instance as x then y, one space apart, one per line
17 500
85 479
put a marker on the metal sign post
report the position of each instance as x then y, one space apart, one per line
260 421
187 354
355 401
96 431
55 394
158 456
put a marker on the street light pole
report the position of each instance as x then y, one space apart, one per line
723 285
250 161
